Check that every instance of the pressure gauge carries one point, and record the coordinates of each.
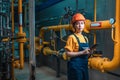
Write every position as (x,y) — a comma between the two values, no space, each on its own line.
(112,20)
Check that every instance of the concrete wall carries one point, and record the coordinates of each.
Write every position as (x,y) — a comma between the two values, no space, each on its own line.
(105,11)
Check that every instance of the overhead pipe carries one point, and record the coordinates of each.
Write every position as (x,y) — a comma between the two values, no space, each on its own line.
(41,44)
(104,64)
(89,26)
(54,28)
(98,25)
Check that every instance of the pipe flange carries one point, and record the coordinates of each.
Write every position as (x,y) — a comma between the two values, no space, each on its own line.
(22,40)
(21,37)
(21,34)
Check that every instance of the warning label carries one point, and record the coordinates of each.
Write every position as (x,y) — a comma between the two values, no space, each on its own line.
(95,24)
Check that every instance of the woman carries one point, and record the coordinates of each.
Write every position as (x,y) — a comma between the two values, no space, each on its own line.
(77,49)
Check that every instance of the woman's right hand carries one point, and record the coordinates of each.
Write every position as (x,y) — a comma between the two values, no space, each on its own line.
(86,51)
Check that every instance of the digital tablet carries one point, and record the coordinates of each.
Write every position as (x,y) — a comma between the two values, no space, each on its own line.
(93,46)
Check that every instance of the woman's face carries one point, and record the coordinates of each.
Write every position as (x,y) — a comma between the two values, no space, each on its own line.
(79,26)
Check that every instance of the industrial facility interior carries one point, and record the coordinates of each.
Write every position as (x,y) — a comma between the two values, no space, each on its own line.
(33,35)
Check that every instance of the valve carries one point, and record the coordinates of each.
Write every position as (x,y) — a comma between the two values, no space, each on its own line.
(112,21)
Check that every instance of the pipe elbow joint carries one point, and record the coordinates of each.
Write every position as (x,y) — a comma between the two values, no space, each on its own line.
(102,64)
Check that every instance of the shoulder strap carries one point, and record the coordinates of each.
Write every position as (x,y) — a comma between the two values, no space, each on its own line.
(77,38)
(86,40)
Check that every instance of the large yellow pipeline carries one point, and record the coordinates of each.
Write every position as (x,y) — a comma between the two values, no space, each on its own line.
(89,26)
(106,65)
(96,25)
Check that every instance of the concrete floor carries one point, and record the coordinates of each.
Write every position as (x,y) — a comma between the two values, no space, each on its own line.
(42,73)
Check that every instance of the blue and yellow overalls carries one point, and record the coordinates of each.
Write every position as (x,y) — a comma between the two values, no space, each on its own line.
(77,67)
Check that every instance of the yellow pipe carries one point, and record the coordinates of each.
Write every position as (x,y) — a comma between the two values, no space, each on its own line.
(97,62)
(95,10)
(12,10)
(20,31)
(100,25)
(5,39)
(19,6)
(95,37)
(95,20)
(21,34)
(106,65)
(97,25)
(57,28)
(39,45)
(48,51)
(20,15)
(21,55)
(89,26)
(116,58)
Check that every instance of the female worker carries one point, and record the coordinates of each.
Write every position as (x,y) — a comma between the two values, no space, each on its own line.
(77,49)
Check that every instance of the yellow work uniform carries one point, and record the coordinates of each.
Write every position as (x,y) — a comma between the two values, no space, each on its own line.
(72,44)
(77,67)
